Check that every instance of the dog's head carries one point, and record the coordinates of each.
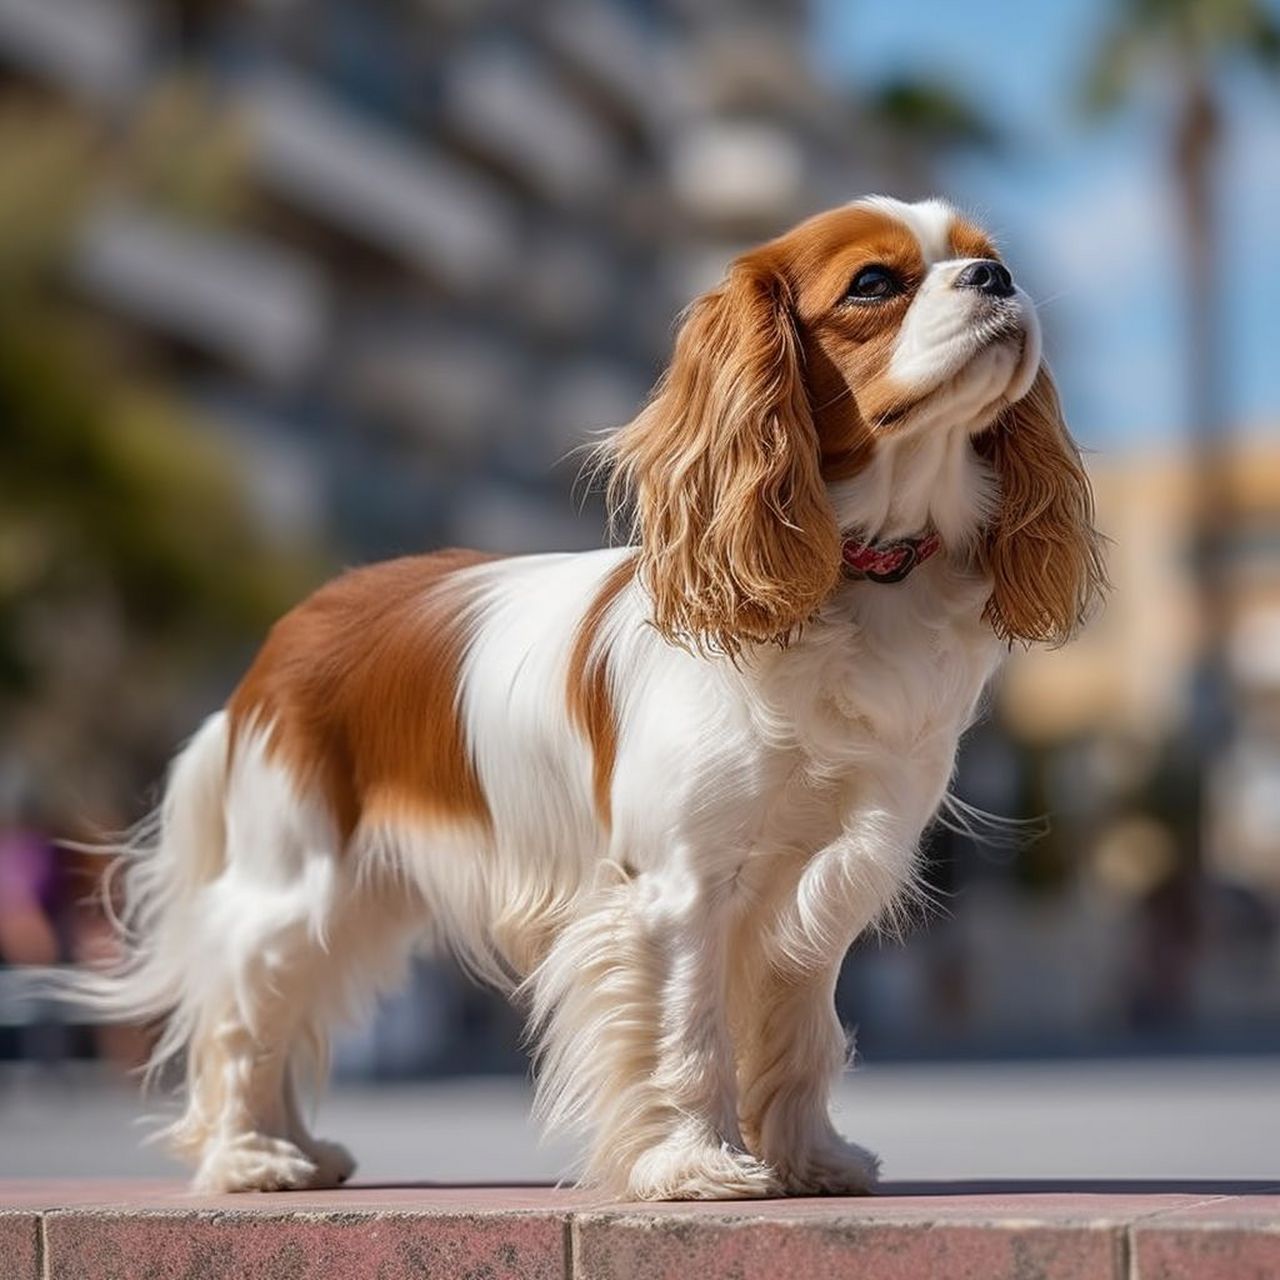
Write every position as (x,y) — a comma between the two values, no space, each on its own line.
(875,320)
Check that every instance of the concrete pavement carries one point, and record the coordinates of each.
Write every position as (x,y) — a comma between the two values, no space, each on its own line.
(1161,1119)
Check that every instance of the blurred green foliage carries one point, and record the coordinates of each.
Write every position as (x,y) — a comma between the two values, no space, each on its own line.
(104,477)
(1184,36)
(133,575)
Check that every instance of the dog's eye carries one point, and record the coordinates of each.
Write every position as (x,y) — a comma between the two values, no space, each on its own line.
(872,284)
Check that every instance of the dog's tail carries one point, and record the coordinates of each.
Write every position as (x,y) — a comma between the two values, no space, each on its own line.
(152,893)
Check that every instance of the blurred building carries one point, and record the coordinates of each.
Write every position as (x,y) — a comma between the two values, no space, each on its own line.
(1130,676)
(1151,909)
(441,243)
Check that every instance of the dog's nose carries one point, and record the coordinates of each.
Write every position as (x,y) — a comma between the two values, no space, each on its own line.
(986,276)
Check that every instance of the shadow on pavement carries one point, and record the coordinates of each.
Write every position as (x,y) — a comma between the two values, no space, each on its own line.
(904,1190)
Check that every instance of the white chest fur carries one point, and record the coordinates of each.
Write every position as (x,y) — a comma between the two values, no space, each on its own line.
(888,670)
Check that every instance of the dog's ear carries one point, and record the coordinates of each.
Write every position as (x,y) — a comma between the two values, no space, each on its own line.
(738,541)
(1042,550)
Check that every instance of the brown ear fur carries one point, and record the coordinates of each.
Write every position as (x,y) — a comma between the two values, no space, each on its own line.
(1042,551)
(738,540)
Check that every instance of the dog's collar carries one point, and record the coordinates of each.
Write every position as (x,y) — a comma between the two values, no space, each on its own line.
(887,561)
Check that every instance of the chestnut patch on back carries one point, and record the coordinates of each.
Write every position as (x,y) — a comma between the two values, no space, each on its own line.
(358,687)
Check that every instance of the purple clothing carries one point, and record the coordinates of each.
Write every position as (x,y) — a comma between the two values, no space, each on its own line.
(28,870)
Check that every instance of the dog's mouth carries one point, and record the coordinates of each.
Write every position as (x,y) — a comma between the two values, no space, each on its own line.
(1002,327)
(994,382)
(1027,339)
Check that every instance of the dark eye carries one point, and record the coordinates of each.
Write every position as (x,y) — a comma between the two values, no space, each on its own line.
(871,284)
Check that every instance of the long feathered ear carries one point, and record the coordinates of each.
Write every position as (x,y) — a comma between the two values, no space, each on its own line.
(1042,550)
(738,542)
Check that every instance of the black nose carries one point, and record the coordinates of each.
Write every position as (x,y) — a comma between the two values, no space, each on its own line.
(986,276)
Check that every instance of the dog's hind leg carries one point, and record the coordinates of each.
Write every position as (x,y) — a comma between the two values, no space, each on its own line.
(257,1001)
(290,936)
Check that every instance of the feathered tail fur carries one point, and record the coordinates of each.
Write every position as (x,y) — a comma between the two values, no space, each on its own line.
(162,864)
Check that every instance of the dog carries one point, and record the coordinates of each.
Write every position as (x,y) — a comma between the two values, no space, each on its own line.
(653,791)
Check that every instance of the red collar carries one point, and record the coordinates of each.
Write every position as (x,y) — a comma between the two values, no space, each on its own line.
(887,561)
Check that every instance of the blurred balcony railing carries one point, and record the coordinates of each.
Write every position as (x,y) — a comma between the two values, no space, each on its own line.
(96,49)
(409,198)
(251,301)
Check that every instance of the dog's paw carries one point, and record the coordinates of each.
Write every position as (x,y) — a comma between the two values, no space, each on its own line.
(830,1166)
(256,1162)
(682,1170)
(334,1163)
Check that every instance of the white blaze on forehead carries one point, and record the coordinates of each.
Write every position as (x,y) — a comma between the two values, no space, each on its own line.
(928,220)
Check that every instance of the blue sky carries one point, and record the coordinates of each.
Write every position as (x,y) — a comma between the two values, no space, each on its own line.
(1082,208)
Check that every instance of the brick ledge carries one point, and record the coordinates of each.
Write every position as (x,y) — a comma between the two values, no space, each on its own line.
(931,1231)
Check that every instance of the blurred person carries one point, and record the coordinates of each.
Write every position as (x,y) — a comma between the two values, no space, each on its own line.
(29,896)
(31,899)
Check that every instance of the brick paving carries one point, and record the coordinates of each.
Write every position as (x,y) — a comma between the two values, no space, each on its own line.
(1022,1230)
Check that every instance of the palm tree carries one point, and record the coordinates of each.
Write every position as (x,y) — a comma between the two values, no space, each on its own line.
(1193,42)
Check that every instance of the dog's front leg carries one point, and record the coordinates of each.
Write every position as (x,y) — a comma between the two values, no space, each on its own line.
(792,1046)
(700,1153)
(634,1043)
(793,1052)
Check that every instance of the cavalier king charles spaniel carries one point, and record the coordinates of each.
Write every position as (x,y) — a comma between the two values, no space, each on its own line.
(656,791)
